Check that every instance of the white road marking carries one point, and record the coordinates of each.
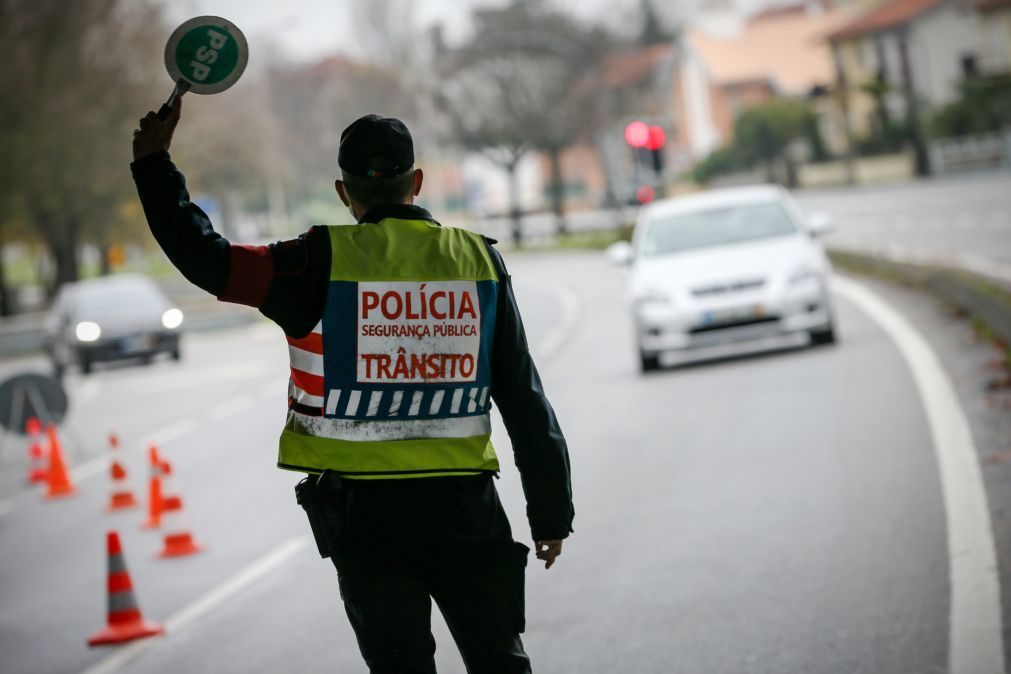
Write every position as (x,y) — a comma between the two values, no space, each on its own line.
(975,643)
(165,435)
(233,406)
(90,468)
(173,431)
(181,380)
(98,464)
(561,330)
(86,391)
(201,607)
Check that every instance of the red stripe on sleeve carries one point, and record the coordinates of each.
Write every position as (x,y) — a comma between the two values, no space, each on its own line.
(310,383)
(313,343)
(252,270)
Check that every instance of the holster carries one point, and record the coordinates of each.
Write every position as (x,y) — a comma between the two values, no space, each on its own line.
(322,497)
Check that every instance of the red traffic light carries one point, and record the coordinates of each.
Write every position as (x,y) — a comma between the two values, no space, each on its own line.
(655,138)
(640,134)
(637,134)
(645,194)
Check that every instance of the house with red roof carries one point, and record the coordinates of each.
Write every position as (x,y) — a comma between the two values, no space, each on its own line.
(695,86)
(905,51)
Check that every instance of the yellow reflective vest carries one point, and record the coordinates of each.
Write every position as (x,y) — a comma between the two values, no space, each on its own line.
(395,380)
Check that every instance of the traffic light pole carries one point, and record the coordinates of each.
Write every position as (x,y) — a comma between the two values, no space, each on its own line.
(657,160)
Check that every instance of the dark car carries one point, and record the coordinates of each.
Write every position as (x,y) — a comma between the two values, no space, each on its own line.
(117,317)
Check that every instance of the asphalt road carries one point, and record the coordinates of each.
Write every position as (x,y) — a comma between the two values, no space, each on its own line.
(780,513)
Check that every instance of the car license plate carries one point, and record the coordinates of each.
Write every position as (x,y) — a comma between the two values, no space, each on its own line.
(135,344)
(734,315)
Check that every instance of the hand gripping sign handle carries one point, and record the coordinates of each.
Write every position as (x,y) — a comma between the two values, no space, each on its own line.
(182,86)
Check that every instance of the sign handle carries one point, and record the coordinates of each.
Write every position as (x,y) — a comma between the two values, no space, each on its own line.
(182,86)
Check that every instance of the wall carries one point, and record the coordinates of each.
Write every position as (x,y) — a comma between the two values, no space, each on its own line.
(995,39)
(704,137)
(867,170)
(938,41)
(858,62)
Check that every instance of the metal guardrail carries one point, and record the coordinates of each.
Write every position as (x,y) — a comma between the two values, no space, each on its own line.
(24,335)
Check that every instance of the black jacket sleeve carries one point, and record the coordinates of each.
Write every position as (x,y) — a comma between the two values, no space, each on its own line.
(542,455)
(286,281)
(179,226)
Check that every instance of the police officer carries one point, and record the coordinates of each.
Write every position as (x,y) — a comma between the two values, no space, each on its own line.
(401,333)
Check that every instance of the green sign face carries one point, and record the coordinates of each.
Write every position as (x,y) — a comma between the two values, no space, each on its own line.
(208,53)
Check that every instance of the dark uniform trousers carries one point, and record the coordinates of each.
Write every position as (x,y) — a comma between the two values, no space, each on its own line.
(407,542)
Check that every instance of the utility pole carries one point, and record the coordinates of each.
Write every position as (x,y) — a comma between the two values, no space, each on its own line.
(921,159)
(844,103)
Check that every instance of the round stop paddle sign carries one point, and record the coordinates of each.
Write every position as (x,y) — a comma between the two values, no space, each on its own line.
(206,54)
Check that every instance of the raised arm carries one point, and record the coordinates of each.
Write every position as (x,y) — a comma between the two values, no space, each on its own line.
(286,280)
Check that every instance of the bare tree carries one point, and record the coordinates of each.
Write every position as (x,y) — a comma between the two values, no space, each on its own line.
(385,30)
(527,80)
(78,76)
(314,103)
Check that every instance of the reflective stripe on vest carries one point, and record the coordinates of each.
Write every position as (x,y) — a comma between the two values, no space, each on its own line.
(395,380)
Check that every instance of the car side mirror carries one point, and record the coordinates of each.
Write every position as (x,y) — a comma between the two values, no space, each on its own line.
(620,253)
(819,223)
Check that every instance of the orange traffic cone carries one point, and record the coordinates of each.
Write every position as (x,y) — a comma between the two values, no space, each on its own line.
(57,475)
(124,622)
(154,492)
(121,497)
(37,469)
(178,539)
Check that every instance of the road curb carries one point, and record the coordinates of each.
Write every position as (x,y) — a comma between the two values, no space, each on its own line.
(985,300)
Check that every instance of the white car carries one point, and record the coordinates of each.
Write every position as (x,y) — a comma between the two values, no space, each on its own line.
(726,272)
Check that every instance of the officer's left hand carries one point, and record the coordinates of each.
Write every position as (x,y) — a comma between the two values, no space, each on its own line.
(155,135)
(548,551)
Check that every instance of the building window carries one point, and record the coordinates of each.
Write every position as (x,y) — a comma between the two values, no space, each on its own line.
(970,65)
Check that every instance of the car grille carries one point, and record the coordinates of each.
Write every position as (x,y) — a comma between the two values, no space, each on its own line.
(725,288)
(735,324)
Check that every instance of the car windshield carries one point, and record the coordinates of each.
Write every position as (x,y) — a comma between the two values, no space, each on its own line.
(716,227)
(116,299)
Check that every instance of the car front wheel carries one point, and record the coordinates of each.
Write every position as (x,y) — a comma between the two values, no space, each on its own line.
(824,336)
(648,362)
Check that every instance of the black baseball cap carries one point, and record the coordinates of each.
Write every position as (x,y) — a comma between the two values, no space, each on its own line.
(376,147)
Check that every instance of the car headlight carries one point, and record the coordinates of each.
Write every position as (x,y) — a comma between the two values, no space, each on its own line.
(88,331)
(651,297)
(172,319)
